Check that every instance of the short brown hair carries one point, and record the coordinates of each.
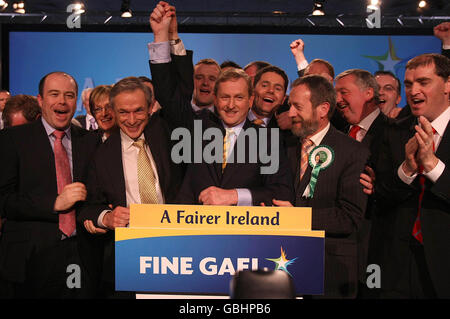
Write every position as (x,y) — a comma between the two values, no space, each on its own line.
(321,91)
(234,75)
(130,83)
(26,104)
(274,69)
(324,62)
(209,62)
(441,63)
(97,94)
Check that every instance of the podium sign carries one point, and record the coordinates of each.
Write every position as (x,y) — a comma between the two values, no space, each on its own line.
(188,249)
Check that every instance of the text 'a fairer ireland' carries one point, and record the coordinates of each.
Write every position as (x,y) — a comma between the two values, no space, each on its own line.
(195,218)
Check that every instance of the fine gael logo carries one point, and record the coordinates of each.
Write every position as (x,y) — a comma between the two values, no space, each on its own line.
(282,262)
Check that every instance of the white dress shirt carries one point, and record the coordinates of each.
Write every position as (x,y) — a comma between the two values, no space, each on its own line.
(129,162)
(365,124)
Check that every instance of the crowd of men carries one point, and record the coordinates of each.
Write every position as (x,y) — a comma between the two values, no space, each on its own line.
(381,194)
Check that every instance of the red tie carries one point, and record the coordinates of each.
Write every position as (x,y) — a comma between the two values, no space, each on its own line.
(63,178)
(417,229)
(353,131)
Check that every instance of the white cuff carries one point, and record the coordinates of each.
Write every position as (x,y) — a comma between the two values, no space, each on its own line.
(436,172)
(302,65)
(159,52)
(100,219)
(244,197)
(406,179)
(177,48)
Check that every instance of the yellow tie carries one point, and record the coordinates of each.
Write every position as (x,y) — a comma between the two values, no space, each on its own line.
(146,176)
(307,143)
(226,146)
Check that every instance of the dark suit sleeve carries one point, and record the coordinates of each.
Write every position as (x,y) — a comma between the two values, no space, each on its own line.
(277,185)
(95,202)
(173,84)
(441,188)
(389,188)
(446,52)
(345,216)
(34,205)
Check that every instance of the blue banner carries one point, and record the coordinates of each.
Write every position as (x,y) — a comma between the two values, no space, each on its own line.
(204,264)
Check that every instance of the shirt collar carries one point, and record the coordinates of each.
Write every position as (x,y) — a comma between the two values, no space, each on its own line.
(89,117)
(127,141)
(237,128)
(49,129)
(197,108)
(368,120)
(440,123)
(252,117)
(318,137)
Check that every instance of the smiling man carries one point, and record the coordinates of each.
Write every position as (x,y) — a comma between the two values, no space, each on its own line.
(220,182)
(43,171)
(390,93)
(337,199)
(270,92)
(413,187)
(132,166)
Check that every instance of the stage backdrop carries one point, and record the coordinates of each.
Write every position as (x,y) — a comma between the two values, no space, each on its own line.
(104,58)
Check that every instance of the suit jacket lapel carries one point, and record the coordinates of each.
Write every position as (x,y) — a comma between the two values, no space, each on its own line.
(444,145)
(230,169)
(77,153)
(327,140)
(151,135)
(113,162)
(46,154)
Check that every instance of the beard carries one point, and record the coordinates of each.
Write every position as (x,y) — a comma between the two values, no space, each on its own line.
(307,128)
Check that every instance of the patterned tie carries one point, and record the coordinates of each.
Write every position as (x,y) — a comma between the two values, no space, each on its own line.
(307,143)
(353,131)
(258,122)
(226,146)
(63,178)
(146,176)
(417,229)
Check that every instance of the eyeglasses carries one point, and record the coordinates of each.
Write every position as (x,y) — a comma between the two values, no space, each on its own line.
(107,108)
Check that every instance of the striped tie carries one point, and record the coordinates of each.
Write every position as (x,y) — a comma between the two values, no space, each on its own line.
(307,143)
(226,146)
(146,176)
(417,229)
(258,122)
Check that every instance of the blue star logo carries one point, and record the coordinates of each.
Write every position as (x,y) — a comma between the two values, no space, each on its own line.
(388,61)
(282,262)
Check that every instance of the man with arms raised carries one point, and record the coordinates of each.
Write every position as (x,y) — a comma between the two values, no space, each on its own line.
(216,183)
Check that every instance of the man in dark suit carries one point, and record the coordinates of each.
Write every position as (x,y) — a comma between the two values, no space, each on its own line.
(357,98)
(270,85)
(43,168)
(219,182)
(412,186)
(133,166)
(327,165)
